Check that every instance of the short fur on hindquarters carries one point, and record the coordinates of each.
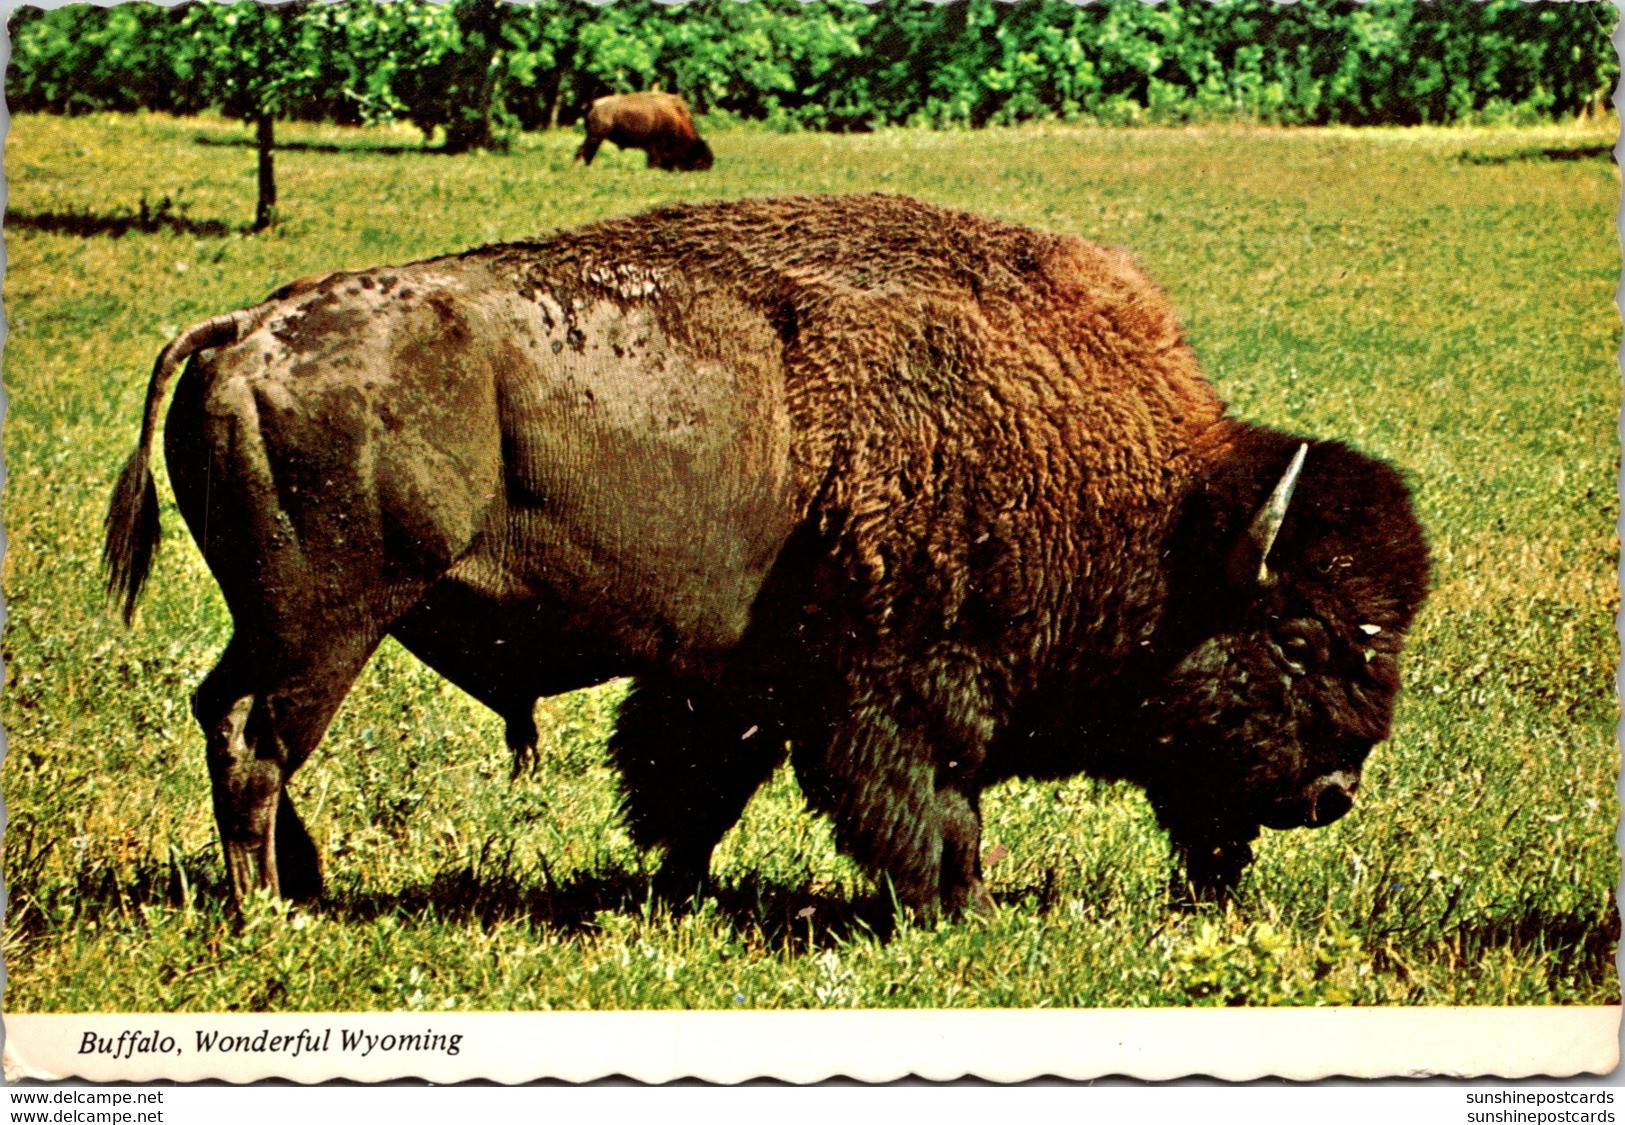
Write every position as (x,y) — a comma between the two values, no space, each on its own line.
(931,499)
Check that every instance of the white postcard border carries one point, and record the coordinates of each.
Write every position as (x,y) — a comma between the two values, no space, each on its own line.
(870,1046)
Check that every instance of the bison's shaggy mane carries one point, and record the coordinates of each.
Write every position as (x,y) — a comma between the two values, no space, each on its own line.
(984,395)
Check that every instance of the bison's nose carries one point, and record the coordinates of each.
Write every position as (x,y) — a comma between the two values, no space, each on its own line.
(1331,796)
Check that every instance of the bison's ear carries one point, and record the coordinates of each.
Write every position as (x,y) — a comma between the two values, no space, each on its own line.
(1249,559)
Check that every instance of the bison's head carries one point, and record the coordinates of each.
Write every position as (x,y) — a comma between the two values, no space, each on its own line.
(1297,569)
(695,157)
(680,154)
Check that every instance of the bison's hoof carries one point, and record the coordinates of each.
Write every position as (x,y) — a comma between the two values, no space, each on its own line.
(971,899)
(680,884)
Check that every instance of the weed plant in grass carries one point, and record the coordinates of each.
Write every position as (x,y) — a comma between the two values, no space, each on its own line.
(1444,299)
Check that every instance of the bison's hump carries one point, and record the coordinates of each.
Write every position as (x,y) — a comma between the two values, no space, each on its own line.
(795,256)
(857,242)
(966,386)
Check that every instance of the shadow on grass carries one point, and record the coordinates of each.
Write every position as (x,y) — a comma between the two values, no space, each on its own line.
(1578,944)
(326,146)
(147,220)
(797,919)
(100,890)
(1579,941)
(1584,152)
(793,918)
(486,890)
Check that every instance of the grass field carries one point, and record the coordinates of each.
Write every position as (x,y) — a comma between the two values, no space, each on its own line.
(1444,299)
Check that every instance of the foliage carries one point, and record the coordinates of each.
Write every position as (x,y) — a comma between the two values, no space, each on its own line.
(252,60)
(450,80)
(1442,298)
(1232,967)
(82,58)
(835,65)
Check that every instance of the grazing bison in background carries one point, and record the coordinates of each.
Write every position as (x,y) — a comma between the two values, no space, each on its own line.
(657,123)
(930,499)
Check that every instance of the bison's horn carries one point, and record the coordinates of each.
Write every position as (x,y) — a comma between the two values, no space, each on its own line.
(1267,524)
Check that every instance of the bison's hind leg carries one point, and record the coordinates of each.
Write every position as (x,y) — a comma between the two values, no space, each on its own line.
(690,757)
(298,864)
(521,735)
(263,709)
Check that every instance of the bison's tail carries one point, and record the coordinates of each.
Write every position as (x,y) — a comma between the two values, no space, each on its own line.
(132,515)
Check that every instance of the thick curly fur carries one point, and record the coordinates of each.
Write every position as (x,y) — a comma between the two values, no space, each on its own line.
(1027,494)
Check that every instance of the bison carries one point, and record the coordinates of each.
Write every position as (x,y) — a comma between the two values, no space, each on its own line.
(924,500)
(657,123)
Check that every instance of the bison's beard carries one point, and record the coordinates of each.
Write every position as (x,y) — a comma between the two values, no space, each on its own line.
(1229,744)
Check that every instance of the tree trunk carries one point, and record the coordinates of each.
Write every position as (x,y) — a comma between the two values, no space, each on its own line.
(473,79)
(550,90)
(265,209)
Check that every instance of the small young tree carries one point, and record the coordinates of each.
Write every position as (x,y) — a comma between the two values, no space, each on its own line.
(259,62)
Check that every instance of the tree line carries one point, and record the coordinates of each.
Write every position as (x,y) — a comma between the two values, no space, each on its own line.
(470,72)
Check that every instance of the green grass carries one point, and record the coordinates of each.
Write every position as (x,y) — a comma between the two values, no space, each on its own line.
(1441,298)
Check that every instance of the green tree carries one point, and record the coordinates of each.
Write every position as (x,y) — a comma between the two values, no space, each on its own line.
(446,76)
(258,62)
(81,58)
(539,62)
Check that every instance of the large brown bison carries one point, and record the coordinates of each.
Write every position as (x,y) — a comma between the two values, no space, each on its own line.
(657,123)
(928,499)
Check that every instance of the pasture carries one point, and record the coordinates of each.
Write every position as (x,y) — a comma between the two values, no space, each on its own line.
(1440,298)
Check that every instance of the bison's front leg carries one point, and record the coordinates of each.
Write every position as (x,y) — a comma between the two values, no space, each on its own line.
(690,757)
(1212,852)
(922,839)
(894,778)
(961,876)
(1212,842)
